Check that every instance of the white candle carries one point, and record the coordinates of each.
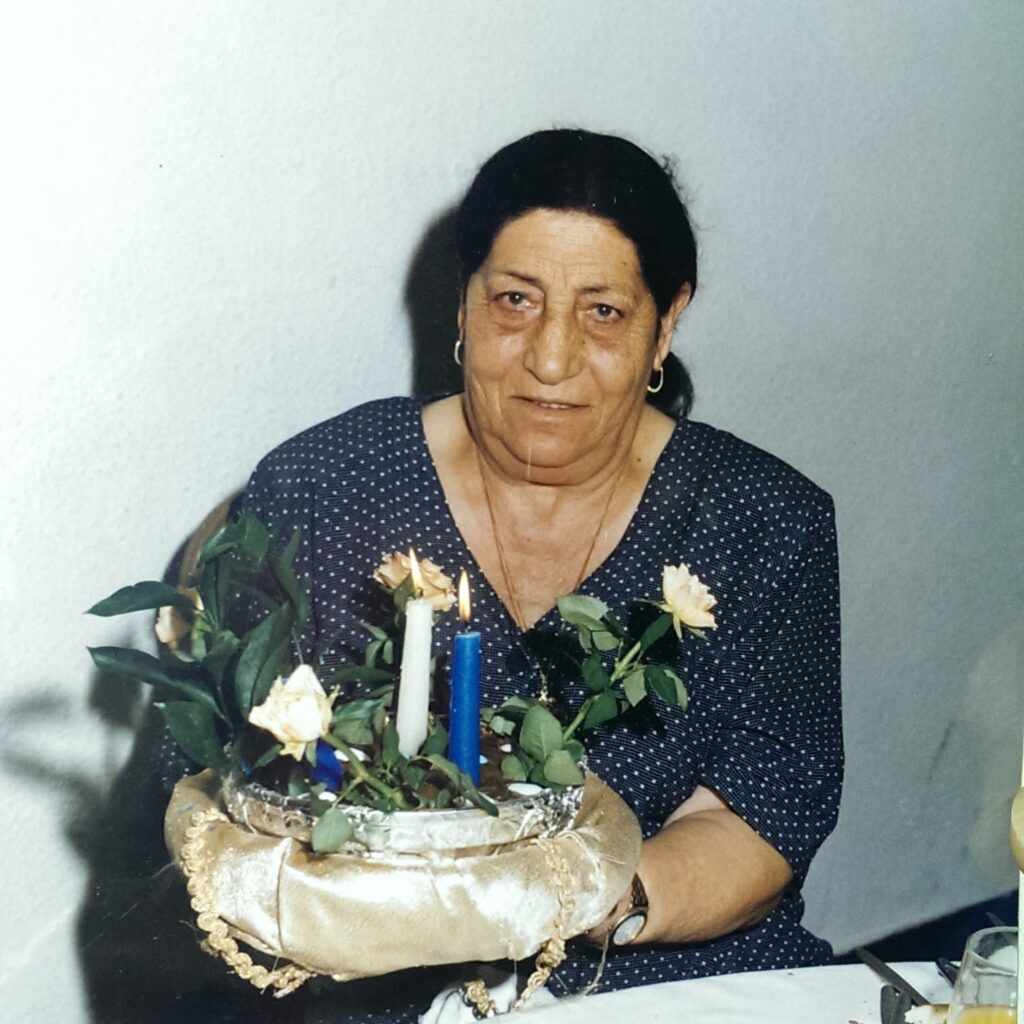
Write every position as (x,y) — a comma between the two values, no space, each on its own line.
(414,684)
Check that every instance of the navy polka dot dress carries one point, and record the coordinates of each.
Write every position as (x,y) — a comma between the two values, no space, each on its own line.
(763,728)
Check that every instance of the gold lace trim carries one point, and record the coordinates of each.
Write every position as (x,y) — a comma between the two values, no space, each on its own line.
(219,941)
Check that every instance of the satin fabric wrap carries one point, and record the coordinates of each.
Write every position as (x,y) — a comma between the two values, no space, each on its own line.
(357,916)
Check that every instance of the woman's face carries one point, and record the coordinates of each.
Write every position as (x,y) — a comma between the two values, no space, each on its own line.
(561,338)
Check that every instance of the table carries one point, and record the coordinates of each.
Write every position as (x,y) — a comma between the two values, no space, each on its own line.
(840,994)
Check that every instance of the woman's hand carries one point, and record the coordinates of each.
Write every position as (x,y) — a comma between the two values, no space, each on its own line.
(707,873)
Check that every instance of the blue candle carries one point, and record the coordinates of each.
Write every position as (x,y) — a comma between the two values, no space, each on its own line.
(464,725)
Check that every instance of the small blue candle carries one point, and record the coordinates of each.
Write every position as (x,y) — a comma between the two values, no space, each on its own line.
(464,726)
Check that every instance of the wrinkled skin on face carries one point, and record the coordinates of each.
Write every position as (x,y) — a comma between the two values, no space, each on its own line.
(562,336)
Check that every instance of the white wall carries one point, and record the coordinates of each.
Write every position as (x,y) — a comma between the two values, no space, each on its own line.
(212,209)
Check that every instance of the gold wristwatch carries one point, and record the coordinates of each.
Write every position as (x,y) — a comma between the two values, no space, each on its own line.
(632,922)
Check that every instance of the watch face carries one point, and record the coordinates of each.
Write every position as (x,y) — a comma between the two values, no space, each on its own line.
(629,928)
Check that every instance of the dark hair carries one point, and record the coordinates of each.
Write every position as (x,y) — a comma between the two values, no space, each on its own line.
(609,177)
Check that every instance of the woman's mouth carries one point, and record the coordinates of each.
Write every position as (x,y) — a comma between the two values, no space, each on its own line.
(549,405)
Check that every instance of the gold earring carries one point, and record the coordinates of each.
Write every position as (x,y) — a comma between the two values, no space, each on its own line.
(661,381)
(457,353)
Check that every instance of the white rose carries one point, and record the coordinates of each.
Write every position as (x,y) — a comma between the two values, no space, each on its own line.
(296,711)
(171,627)
(689,600)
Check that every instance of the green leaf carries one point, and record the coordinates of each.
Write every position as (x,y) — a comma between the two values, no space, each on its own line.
(575,749)
(375,631)
(436,741)
(331,831)
(355,709)
(281,567)
(225,539)
(268,755)
(604,709)
(413,775)
(271,669)
(562,770)
(442,764)
(389,745)
(219,656)
(212,587)
(253,538)
(580,610)
(682,694)
(402,593)
(594,674)
(354,732)
(361,674)
(261,659)
(586,638)
(194,727)
(186,680)
(655,631)
(604,641)
(139,597)
(634,687)
(667,685)
(515,707)
(501,725)
(443,799)
(614,626)
(513,769)
(541,732)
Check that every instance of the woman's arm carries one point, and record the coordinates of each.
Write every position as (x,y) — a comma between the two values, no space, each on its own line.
(706,873)
(771,782)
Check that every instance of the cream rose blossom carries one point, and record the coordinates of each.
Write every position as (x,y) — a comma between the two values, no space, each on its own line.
(437,588)
(689,600)
(171,627)
(296,711)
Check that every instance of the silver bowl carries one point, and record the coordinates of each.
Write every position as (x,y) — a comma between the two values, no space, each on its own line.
(541,813)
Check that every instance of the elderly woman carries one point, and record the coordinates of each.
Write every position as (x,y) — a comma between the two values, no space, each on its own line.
(551,473)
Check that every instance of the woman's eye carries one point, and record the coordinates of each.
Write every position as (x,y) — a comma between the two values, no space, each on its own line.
(605,312)
(517,300)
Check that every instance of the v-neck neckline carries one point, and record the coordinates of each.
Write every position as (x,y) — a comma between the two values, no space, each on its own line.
(550,616)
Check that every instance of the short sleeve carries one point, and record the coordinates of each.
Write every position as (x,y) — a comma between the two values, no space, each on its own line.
(777,759)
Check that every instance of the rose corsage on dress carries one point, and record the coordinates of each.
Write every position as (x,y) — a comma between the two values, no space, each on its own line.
(344,824)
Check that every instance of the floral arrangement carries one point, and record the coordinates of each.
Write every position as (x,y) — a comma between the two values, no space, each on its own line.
(243,700)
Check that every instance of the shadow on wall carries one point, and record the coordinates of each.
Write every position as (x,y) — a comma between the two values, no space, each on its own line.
(432,304)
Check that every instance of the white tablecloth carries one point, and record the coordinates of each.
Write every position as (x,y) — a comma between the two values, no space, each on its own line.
(847,994)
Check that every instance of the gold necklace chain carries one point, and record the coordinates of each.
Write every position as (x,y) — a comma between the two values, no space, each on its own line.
(507,578)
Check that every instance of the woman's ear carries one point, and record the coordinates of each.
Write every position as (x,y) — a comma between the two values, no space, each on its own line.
(667,323)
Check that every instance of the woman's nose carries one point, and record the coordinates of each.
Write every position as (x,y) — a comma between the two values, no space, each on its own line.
(553,354)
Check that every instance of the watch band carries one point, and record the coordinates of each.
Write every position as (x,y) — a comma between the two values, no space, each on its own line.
(634,918)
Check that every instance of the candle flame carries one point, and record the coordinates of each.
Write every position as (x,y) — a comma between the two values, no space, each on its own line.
(417,576)
(464,604)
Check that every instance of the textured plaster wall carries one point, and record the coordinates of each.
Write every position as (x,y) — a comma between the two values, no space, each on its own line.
(211,215)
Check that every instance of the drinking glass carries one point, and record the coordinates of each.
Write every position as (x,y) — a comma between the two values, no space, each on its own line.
(986,987)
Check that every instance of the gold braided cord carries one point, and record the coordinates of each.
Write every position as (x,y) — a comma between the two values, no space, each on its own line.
(219,941)
(475,993)
(477,996)
(553,952)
